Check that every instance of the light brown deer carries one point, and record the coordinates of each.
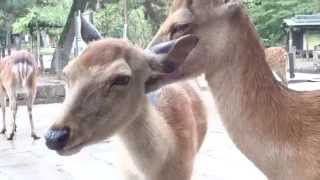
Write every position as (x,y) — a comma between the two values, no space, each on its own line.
(277,58)
(18,73)
(160,133)
(276,128)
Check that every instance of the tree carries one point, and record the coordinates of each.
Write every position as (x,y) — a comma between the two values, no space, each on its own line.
(23,15)
(49,17)
(9,10)
(155,12)
(143,22)
(268,16)
(109,19)
(61,55)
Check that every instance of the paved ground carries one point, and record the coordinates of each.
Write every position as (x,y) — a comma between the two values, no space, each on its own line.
(24,159)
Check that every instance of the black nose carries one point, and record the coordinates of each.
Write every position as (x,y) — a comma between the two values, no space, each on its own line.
(56,139)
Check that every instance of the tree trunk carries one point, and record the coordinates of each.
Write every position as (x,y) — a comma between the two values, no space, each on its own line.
(32,44)
(8,42)
(154,15)
(62,52)
(125,14)
(19,42)
(3,51)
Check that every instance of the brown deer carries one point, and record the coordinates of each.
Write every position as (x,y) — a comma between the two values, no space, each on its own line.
(277,58)
(276,128)
(18,73)
(160,133)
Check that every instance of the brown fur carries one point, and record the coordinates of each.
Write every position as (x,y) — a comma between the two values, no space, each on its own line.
(18,72)
(160,136)
(277,58)
(276,128)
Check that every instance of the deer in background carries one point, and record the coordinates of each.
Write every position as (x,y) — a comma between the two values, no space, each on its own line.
(278,129)
(277,58)
(18,73)
(160,133)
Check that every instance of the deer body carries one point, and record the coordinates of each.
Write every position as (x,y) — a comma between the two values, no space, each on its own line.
(159,135)
(276,128)
(18,73)
(273,126)
(277,58)
(169,133)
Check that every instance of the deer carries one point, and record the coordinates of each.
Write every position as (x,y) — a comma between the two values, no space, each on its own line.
(277,58)
(276,128)
(18,73)
(159,133)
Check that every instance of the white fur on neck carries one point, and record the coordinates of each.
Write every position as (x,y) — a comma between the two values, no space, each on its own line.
(148,141)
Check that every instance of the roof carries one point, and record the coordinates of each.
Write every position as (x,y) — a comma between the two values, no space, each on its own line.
(303,20)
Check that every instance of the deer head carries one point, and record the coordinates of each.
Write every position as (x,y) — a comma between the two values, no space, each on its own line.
(106,84)
(214,22)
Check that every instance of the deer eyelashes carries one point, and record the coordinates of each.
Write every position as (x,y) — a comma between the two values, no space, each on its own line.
(118,82)
(121,80)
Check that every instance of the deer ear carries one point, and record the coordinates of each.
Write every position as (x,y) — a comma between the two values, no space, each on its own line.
(165,59)
(88,31)
(232,7)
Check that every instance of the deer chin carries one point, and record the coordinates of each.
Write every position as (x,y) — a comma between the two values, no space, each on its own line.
(68,151)
(76,145)
(72,149)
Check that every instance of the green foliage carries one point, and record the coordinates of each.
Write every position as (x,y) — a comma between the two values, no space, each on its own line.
(22,24)
(15,7)
(25,15)
(268,16)
(145,16)
(47,17)
(155,11)
(140,29)
(9,10)
(109,22)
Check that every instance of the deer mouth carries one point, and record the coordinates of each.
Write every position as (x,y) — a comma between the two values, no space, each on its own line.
(71,150)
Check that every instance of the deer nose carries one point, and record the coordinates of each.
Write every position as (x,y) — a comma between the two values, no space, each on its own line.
(57,139)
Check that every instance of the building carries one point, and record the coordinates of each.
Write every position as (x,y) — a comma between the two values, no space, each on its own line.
(303,34)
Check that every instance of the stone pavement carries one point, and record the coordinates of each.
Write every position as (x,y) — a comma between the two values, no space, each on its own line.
(25,159)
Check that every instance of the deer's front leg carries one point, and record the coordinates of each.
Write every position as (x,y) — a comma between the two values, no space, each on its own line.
(3,107)
(14,108)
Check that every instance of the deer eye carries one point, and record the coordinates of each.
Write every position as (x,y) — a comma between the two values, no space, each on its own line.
(179,29)
(121,80)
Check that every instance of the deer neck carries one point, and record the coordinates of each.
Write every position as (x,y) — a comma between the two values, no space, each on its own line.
(248,97)
(148,138)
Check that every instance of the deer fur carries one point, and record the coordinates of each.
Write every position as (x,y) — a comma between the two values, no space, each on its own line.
(278,129)
(277,58)
(160,133)
(18,73)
